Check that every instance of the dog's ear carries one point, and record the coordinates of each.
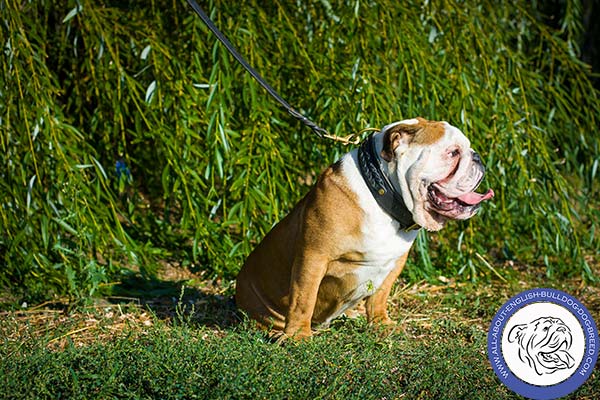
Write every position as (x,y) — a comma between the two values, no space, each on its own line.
(516,333)
(398,135)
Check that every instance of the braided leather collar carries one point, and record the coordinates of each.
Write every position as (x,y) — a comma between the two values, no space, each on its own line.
(381,188)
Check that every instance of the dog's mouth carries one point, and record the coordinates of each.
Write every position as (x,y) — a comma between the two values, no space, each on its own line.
(558,357)
(460,207)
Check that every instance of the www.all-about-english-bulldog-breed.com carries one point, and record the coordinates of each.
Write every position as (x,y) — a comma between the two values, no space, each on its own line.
(349,237)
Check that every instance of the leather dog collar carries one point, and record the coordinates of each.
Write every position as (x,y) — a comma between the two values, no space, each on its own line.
(380,186)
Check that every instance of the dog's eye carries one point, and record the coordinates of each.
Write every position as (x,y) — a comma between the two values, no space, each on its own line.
(455,153)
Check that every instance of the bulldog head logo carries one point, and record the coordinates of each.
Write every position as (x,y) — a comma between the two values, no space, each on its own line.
(544,344)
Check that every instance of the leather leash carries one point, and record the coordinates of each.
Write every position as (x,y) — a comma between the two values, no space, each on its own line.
(320,132)
(383,191)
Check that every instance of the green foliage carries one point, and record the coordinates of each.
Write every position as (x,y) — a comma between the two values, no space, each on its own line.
(128,135)
(196,363)
(197,348)
(348,362)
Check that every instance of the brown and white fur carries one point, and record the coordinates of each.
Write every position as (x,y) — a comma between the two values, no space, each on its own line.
(338,247)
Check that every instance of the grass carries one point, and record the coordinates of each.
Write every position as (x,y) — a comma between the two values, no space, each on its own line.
(190,343)
(181,363)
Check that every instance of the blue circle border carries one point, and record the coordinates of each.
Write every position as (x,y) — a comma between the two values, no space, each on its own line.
(494,341)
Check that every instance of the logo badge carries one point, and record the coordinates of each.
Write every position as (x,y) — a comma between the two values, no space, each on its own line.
(542,344)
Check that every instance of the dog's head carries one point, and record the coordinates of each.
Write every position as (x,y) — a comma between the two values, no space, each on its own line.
(543,344)
(436,170)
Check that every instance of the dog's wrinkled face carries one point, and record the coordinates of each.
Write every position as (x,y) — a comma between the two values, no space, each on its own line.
(544,344)
(437,171)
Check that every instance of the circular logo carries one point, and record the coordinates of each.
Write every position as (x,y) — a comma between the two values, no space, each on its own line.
(542,344)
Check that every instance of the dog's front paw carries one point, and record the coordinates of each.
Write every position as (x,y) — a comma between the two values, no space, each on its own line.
(296,334)
(380,318)
(387,321)
(384,327)
(278,337)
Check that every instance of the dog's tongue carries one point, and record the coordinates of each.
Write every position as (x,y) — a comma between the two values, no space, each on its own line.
(473,198)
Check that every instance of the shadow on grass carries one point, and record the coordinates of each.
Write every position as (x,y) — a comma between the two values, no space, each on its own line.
(179,301)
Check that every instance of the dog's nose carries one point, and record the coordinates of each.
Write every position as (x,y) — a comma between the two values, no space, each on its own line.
(477,162)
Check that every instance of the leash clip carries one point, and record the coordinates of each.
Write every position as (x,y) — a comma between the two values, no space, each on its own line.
(322,133)
(353,138)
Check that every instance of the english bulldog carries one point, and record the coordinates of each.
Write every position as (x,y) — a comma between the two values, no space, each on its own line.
(544,344)
(348,238)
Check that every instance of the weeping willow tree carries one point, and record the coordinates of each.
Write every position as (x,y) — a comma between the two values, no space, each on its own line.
(129,137)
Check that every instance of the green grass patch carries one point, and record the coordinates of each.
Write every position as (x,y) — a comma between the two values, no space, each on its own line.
(346,362)
(178,348)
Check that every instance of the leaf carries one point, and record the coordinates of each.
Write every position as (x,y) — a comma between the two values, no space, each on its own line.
(433,33)
(99,167)
(74,11)
(65,226)
(150,92)
(44,231)
(145,52)
(29,190)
